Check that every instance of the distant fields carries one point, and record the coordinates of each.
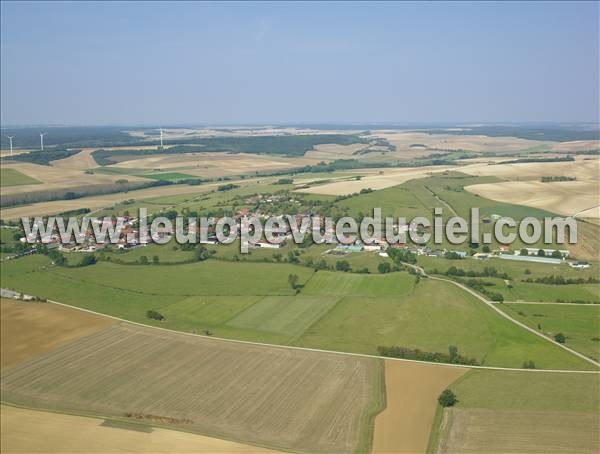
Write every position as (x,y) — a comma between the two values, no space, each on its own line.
(503,411)
(295,400)
(579,323)
(12,177)
(332,311)
(168,176)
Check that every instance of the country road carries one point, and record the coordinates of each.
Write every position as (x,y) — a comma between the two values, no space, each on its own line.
(493,305)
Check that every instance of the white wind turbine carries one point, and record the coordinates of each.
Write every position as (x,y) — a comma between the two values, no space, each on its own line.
(10,138)
(161,138)
(42,134)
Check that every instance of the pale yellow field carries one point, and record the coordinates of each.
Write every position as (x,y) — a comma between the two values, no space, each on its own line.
(412,390)
(80,161)
(580,197)
(375,179)
(55,177)
(581,168)
(27,431)
(215,164)
(403,140)
(568,198)
(577,145)
(99,201)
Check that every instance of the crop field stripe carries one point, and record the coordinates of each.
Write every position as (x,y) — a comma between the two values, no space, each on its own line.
(362,355)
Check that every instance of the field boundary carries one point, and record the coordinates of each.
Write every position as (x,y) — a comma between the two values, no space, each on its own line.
(360,355)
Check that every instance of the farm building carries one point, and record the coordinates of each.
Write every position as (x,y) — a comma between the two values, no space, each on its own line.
(579,265)
(548,252)
(266,245)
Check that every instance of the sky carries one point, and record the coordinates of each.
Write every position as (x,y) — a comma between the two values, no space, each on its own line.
(155,63)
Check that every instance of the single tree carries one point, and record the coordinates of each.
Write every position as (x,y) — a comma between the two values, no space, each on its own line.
(560,338)
(447,398)
(293,280)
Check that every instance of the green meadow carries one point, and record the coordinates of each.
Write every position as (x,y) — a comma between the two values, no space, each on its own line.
(579,323)
(328,310)
(12,177)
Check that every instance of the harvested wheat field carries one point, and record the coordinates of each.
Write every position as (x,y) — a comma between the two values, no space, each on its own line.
(375,179)
(99,201)
(30,329)
(568,198)
(577,145)
(443,142)
(58,177)
(275,397)
(26,431)
(581,168)
(500,431)
(412,390)
(80,161)
(212,164)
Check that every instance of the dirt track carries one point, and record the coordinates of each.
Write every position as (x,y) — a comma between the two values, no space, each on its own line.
(411,393)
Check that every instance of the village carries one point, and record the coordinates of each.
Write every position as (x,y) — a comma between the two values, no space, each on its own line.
(281,233)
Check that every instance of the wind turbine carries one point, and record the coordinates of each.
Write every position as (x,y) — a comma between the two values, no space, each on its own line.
(10,138)
(42,134)
(161,137)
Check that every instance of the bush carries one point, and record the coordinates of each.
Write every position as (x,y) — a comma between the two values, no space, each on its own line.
(87,260)
(384,267)
(447,398)
(342,265)
(528,365)
(154,315)
(560,338)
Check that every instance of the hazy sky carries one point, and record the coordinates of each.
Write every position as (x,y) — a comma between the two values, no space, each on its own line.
(200,63)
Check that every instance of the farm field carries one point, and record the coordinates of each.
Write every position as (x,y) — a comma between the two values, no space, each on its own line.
(26,431)
(517,291)
(12,177)
(374,179)
(274,397)
(55,178)
(434,316)
(212,165)
(411,397)
(569,198)
(356,313)
(99,201)
(31,329)
(503,411)
(580,323)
